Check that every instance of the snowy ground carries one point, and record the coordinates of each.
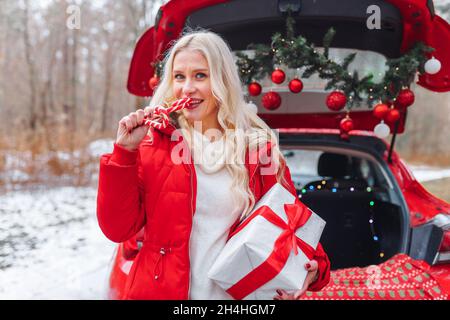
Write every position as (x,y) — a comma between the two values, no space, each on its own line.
(52,248)
(427,173)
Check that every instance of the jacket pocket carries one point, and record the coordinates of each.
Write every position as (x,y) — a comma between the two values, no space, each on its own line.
(147,279)
(159,266)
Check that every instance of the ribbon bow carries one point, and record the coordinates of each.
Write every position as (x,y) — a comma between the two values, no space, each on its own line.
(297,214)
(160,117)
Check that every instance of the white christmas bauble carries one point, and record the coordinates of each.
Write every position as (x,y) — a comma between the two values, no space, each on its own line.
(432,66)
(252,107)
(382,130)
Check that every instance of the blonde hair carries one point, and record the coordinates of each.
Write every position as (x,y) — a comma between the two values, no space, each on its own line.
(234,112)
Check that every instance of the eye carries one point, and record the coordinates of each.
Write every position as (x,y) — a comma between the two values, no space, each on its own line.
(200,75)
(178,76)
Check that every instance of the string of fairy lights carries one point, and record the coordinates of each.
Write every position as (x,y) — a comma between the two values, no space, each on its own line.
(322,186)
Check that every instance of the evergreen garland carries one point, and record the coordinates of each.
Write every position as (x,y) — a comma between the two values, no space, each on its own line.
(296,52)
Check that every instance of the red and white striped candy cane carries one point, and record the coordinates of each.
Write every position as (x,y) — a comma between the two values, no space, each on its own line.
(160,118)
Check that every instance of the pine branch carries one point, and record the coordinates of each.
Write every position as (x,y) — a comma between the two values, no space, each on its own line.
(348,59)
(327,40)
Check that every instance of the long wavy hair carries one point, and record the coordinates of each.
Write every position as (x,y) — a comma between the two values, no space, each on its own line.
(248,131)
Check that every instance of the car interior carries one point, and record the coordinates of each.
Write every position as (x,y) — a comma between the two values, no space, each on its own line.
(351,193)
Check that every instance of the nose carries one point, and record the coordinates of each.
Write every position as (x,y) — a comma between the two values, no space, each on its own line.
(188,88)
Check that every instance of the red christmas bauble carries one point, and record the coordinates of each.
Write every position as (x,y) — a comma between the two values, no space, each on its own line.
(346,124)
(153,82)
(271,100)
(254,89)
(393,115)
(278,76)
(296,85)
(336,100)
(381,110)
(405,98)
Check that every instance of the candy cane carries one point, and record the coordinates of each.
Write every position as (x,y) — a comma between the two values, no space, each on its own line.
(160,117)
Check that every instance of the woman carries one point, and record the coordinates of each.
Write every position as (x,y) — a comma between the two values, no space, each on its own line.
(188,209)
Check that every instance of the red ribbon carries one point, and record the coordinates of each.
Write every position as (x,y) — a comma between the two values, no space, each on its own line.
(297,214)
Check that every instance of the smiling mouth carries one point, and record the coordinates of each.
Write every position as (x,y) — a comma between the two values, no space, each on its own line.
(194,103)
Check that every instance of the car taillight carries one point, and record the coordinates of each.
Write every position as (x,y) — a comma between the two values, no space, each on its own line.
(445,245)
(443,255)
(443,221)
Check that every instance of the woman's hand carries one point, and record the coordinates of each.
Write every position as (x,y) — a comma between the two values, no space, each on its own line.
(132,129)
(313,272)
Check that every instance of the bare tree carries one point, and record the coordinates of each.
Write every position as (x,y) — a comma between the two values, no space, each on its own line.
(31,67)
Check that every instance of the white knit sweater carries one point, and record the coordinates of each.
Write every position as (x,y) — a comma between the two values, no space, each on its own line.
(214,215)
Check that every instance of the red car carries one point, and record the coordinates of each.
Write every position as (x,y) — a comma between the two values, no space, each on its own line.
(382,225)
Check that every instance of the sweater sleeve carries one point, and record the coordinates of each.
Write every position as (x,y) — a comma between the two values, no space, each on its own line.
(120,208)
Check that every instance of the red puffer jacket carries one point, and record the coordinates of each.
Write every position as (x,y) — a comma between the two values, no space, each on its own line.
(147,189)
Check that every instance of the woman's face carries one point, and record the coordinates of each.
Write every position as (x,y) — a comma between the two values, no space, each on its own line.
(191,78)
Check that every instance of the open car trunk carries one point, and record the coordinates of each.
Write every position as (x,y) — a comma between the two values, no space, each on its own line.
(351,188)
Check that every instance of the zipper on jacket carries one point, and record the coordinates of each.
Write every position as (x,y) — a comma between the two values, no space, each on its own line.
(191,176)
(192,213)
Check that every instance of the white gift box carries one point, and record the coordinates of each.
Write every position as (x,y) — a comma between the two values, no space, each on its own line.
(253,244)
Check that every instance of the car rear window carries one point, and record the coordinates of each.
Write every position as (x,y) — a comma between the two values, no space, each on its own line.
(310,167)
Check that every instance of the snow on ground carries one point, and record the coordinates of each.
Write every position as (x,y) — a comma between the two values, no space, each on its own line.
(99,147)
(51,246)
(426,173)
